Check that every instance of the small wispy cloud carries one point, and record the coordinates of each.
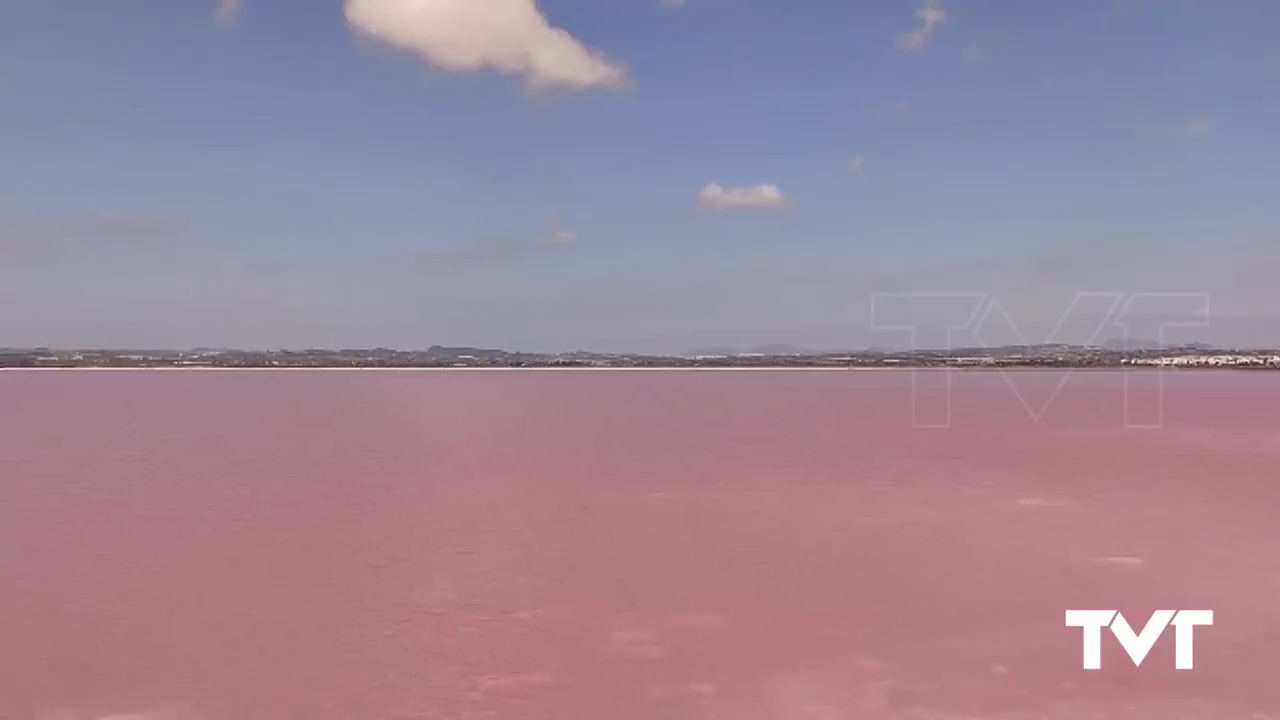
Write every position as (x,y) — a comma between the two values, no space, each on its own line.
(227,10)
(672,4)
(856,164)
(564,237)
(755,197)
(499,248)
(88,230)
(558,234)
(1187,130)
(891,110)
(931,15)
(512,37)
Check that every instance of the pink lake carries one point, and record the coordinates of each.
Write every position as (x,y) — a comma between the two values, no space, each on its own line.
(625,545)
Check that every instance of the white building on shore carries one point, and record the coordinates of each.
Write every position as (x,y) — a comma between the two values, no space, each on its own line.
(1214,360)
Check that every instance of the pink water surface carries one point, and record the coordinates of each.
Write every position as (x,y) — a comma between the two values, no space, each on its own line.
(624,545)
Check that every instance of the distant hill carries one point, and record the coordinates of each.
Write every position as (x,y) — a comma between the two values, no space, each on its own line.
(1121,343)
(716,350)
(771,349)
(782,349)
(442,352)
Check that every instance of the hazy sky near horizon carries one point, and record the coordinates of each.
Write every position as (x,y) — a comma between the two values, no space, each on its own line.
(646,175)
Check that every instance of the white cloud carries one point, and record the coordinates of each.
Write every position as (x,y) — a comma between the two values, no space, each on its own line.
(512,37)
(756,197)
(227,10)
(673,4)
(564,236)
(856,164)
(931,15)
(558,234)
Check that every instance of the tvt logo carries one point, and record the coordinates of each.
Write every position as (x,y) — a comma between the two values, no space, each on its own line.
(944,322)
(1139,644)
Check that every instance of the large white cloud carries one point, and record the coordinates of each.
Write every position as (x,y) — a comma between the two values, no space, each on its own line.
(931,15)
(756,197)
(508,36)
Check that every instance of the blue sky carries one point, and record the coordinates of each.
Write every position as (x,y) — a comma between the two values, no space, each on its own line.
(491,172)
